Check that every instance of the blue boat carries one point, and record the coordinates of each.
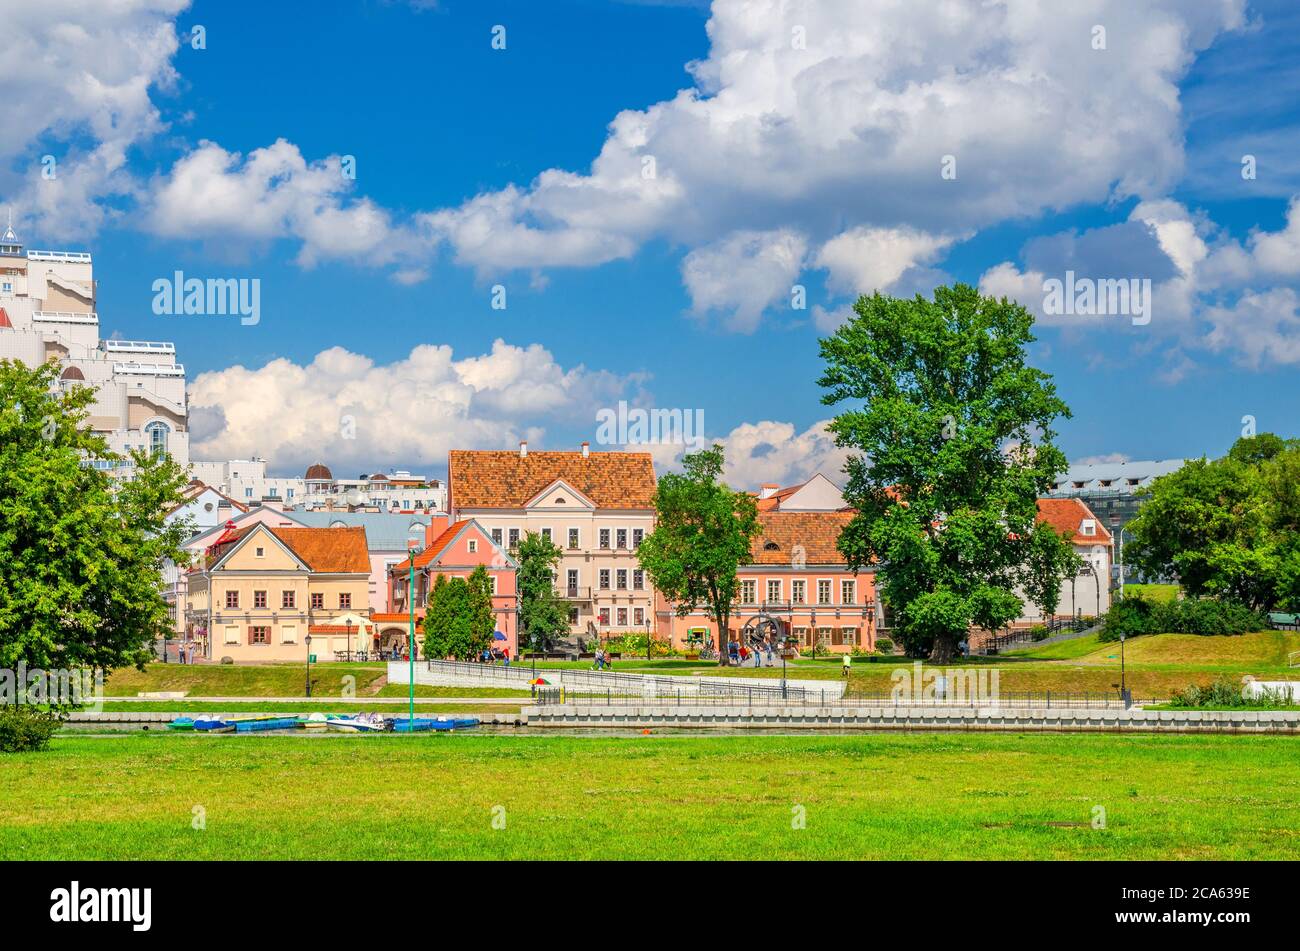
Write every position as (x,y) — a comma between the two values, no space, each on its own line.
(214,725)
(258,726)
(427,724)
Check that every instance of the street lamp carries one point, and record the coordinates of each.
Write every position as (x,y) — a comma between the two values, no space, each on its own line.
(347,652)
(1123,686)
(307,641)
(410,642)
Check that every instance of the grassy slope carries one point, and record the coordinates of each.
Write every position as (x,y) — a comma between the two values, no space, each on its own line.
(875,796)
(277,680)
(326,706)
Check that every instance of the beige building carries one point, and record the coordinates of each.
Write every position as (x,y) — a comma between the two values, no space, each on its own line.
(47,312)
(258,592)
(595,506)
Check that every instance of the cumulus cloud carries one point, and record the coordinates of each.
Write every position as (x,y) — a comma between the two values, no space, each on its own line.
(865,260)
(767,451)
(743,274)
(345,406)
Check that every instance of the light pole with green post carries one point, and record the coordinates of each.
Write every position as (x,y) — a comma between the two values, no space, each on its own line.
(410,642)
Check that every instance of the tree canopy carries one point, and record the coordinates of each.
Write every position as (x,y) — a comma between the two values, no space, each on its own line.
(458,619)
(956,441)
(543,615)
(701,538)
(81,553)
(1226,528)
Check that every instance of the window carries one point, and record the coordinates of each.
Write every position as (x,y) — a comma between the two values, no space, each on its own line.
(621,538)
(847,636)
(824,592)
(573,615)
(604,617)
(823,635)
(546,533)
(572,576)
(288,599)
(638,616)
(798,590)
(345,599)
(800,636)
(604,579)
(289,634)
(261,634)
(637,535)
(774,589)
(248,493)
(604,538)
(473,545)
(493,579)
(514,538)
(157,433)
(496,536)
(622,617)
(259,599)
(260,552)
(747,591)
(288,493)
(573,539)
(1088,527)
(638,580)
(622,579)
(317,601)
(232,599)
(848,592)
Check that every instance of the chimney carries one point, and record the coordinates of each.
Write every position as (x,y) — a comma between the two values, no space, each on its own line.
(523,449)
(767,489)
(586,450)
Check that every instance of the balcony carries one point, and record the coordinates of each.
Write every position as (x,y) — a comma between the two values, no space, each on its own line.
(573,592)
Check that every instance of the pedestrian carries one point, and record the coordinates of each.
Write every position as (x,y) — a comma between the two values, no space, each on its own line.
(733,651)
(505,652)
(848,662)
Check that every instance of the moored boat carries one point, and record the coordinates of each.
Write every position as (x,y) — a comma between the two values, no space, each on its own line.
(259,726)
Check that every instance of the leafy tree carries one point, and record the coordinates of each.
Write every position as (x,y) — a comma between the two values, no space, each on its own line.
(482,618)
(1226,528)
(957,442)
(81,554)
(701,538)
(543,615)
(458,618)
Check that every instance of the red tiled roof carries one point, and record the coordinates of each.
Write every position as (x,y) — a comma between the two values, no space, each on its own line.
(1065,516)
(439,544)
(816,532)
(492,479)
(331,550)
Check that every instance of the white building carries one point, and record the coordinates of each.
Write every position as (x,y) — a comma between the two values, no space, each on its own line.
(246,481)
(47,313)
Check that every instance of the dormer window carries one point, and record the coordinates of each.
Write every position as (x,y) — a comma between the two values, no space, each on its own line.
(771,546)
(1088,527)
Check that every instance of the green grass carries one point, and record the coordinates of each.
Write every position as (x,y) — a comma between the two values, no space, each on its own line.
(907,796)
(326,706)
(1152,592)
(1063,650)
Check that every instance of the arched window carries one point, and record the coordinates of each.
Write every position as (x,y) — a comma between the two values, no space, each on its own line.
(157,433)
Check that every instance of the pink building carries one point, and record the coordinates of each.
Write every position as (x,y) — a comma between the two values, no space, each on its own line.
(797,578)
(454,551)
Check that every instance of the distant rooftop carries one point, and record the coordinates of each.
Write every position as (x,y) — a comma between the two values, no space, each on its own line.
(1115,477)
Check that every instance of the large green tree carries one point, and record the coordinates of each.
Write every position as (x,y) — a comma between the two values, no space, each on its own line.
(543,615)
(458,618)
(956,441)
(701,538)
(1226,528)
(81,553)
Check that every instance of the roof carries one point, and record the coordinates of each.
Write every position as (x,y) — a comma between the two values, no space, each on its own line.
(319,472)
(439,544)
(505,479)
(385,531)
(329,550)
(816,532)
(1065,515)
(773,501)
(1116,477)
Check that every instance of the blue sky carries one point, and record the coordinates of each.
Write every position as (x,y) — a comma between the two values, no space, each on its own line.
(816,165)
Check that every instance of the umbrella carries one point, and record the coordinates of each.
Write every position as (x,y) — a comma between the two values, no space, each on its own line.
(540,680)
(498,636)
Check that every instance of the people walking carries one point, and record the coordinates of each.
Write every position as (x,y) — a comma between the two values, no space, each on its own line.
(848,662)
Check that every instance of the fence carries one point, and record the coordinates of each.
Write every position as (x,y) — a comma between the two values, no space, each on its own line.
(549,695)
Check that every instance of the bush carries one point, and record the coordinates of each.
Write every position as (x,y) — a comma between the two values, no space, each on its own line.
(1206,616)
(1224,693)
(884,645)
(26,729)
(1038,632)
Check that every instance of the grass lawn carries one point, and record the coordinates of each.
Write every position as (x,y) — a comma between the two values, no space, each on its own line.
(325,706)
(278,680)
(911,796)
(1152,592)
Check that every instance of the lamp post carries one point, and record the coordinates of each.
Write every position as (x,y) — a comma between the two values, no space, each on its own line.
(410,644)
(348,649)
(1123,686)
(307,641)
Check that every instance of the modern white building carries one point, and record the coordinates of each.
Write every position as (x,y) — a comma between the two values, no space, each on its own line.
(48,313)
(246,481)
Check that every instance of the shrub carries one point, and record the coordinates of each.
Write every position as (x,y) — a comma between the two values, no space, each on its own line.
(26,729)
(1224,693)
(1038,632)
(884,645)
(1135,615)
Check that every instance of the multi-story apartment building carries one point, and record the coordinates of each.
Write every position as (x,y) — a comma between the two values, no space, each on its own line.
(797,578)
(1109,489)
(595,506)
(259,592)
(398,491)
(48,312)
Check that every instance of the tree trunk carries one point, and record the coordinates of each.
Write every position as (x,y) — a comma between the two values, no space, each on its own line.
(945,646)
(722,620)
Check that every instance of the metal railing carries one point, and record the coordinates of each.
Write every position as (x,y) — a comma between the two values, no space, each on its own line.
(553,694)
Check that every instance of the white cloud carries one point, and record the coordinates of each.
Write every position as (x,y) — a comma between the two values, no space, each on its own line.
(744,274)
(865,260)
(1262,328)
(345,406)
(768,451)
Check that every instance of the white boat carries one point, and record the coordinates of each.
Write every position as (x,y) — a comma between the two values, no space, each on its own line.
(361,723)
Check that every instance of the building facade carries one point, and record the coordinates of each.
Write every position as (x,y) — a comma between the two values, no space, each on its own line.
(257,593)
(596,507)
(48,313)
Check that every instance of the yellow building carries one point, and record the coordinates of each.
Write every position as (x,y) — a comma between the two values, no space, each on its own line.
(258,592)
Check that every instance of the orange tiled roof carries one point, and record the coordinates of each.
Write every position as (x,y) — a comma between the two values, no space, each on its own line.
(1064,515)
(333,550)
(817,532)
(492,479)
(438,545)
